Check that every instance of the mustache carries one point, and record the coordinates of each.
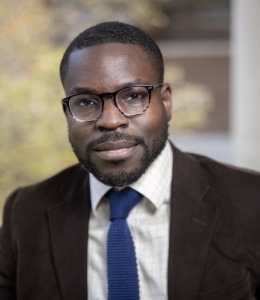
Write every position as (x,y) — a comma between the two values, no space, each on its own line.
(115,137)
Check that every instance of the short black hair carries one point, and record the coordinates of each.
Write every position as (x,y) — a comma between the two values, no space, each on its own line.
(115,32)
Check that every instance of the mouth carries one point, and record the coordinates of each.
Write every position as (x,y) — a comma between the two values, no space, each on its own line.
(115,150)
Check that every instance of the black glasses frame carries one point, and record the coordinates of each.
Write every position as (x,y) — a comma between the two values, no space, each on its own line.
(149,88)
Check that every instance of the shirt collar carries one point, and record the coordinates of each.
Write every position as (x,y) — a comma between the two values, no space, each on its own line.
(154,184)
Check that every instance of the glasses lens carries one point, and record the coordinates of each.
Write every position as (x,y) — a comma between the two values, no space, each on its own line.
(85,107)
(134,100)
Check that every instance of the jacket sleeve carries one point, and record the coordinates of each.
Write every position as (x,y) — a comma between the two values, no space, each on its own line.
(7,253)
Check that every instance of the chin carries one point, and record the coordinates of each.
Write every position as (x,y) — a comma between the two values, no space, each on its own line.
(120,178)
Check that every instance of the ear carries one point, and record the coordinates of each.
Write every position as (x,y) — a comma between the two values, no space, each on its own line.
(166,93)
(65,109)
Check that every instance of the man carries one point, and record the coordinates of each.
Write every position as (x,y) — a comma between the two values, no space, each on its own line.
(195,227)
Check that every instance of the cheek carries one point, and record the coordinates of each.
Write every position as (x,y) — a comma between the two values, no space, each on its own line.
(152,123)
(78,133)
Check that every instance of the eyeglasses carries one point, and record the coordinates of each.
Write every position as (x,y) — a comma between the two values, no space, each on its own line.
(131,101)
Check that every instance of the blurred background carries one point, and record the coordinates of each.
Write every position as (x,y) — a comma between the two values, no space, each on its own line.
(211,50)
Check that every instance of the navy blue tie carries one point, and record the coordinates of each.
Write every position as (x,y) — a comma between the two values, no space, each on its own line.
(121,260)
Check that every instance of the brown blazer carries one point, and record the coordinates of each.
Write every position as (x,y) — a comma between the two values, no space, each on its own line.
(214,235)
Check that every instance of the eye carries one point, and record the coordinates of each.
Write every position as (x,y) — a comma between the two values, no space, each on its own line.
(87,102)
(135,96)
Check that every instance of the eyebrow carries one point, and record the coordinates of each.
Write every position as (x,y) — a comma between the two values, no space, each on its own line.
(87,90)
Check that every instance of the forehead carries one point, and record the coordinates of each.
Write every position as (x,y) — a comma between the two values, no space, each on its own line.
(107,67)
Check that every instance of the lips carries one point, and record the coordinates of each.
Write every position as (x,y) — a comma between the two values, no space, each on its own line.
(108,146)
(115,150)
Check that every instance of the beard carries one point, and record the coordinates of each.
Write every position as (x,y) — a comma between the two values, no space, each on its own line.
(123,177)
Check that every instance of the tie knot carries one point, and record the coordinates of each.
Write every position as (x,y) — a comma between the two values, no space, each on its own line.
(121,202)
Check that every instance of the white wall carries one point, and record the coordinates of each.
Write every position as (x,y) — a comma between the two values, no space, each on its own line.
(245,83)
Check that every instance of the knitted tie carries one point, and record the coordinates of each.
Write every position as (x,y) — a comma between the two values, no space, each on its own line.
(121,261)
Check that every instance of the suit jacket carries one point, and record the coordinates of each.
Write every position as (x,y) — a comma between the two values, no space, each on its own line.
(214,250)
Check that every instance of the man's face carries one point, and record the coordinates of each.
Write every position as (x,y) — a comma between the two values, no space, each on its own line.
(117,149)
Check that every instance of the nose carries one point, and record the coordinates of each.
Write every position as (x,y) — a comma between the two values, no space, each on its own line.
(111,117)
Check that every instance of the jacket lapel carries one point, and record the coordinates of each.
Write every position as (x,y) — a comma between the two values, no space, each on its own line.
(191,226)
(68,223)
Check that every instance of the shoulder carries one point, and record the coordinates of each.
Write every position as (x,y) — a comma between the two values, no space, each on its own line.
(224,175)
(235,192)
(237,185)
(219,176)
(47,192)
(230,188)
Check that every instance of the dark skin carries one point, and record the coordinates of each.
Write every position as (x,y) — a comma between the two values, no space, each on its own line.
(108,68)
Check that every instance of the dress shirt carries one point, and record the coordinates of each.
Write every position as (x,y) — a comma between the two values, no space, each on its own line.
(149,225)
